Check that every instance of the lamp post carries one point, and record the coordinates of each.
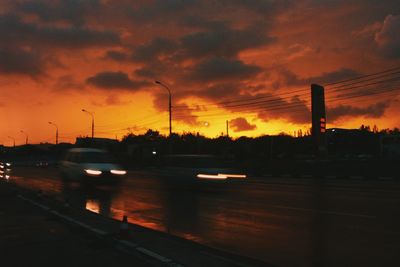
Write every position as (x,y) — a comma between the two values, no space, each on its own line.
(26,140)
(55,125)
(91,114)
(12,139)
(169,105)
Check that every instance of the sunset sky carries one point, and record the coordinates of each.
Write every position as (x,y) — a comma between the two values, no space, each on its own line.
(250,62)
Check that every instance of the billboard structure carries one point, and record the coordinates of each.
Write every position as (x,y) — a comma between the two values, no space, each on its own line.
(318,129)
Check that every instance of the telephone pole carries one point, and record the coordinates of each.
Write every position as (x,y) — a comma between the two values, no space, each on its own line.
(169,104)
(55,125)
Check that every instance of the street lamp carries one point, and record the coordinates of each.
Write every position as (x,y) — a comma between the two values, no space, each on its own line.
(91,114)
(55,125)
(12,139)
(169,105)
(26,140)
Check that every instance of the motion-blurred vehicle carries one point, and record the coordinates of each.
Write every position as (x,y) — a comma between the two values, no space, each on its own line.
(90,165)
(204,168)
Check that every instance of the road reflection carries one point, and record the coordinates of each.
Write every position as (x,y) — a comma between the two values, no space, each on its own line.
(92,198)
(154,204)
(181,210)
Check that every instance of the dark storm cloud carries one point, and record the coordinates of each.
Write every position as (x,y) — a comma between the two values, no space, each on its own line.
(289,78)
(14,31)
(116,55)
(294,110)
(373,111)
(220,41)
(115,80)
(147,72)
(77,37)
(73,11)
(334,76)
(151,51)
(223,41)
(388,38)
(241,124)
(222,91)
(218,69)
(202,23)
(159,9)
(228,91)
(261,6)
(19,61)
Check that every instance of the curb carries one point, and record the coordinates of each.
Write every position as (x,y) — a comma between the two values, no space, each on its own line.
(99,232)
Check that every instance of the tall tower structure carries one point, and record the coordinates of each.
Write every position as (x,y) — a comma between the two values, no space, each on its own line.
(318,129)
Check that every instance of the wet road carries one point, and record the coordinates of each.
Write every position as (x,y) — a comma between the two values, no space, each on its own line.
(293,224)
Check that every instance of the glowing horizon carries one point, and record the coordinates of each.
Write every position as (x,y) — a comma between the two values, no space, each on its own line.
(105,56)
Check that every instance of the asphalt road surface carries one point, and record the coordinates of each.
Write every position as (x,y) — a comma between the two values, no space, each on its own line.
(284,222)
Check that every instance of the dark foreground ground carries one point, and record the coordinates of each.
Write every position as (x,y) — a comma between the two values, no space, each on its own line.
(38,230)
(286,220)
(31,237)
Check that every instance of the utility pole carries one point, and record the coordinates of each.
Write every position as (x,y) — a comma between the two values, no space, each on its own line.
(91,114)
(26,140)
(55,125)
(227,128)
(169,104)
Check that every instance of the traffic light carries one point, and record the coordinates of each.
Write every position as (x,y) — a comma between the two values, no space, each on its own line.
(322,126)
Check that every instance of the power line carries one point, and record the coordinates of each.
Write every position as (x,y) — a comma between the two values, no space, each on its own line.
(247,100)
(279,101)
(378,75)
(289,106)
(363,76)
(278,98)
(366,80)
(369,84)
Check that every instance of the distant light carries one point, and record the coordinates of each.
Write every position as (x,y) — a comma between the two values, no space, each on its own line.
(333,130)
(93,172)
(241,176)
(1,171)
(7,177)
(154,152)
(8,164)
(118,172)
(212,176)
